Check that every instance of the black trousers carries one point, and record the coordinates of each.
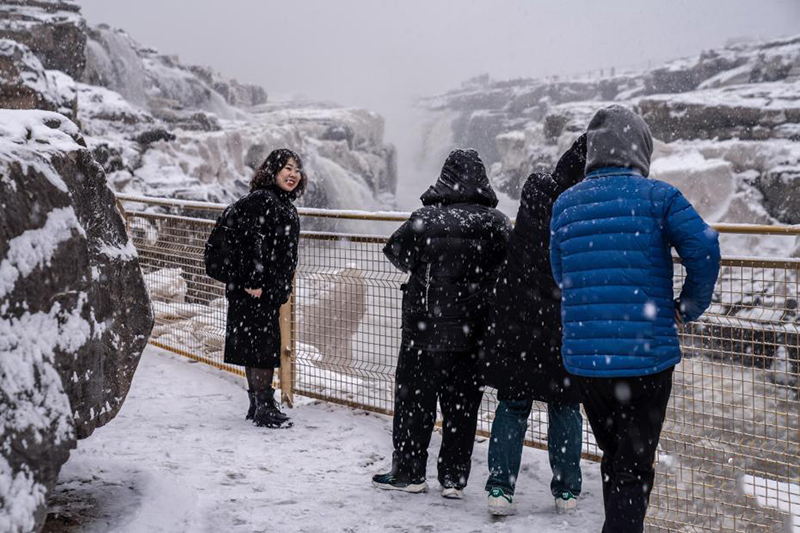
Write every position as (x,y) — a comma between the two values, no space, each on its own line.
(626,415)
(420,379)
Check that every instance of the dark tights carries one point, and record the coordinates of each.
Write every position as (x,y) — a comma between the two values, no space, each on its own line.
(259,379)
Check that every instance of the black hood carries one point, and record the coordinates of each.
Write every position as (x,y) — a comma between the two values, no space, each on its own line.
(571,168)
(463,180)
(618,137)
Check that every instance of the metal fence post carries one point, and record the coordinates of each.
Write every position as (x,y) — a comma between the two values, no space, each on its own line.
(287,352)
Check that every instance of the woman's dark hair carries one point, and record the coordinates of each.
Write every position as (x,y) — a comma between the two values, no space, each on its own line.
(265,175)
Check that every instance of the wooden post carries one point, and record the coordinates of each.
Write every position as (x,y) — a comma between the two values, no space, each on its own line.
(124,216)
(287,352)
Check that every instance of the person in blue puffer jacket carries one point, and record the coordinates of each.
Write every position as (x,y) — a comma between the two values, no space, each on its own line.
(610,250)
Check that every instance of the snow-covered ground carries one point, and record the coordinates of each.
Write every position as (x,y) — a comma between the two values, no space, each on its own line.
(181,457)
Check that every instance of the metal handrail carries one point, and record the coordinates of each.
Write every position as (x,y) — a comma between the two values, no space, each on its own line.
(402,216)
(378,216)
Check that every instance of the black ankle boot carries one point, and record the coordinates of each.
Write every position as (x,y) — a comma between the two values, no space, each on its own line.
(252,410)
(267,413)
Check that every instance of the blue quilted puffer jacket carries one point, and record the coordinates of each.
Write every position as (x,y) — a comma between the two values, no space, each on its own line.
(610,254)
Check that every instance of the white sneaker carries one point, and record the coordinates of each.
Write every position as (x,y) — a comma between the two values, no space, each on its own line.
(566,503)
(500,503)
(452,493)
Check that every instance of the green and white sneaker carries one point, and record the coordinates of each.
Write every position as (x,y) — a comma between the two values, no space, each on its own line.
(500,503)
(566,503)
(390,481)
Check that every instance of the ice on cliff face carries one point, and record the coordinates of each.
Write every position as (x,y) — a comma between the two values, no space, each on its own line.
(222,129)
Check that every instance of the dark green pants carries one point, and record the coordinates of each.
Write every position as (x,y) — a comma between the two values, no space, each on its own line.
(563,445)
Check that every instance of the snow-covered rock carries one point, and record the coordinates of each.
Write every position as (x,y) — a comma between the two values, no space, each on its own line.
(105,113)
(222,131)
(354,170)
(781,189)
(731,118)
(710,183)
(756,111)
(25,84)
(132,102)
(53,29)
(74,312)
(152,80)
(235,93)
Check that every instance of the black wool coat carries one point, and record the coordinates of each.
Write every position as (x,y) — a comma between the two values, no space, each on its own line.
(522,344)
(452,248)
(266,238)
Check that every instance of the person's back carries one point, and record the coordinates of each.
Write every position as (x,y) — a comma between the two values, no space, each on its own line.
(452,248)
(610,254)
(529,243)
(522,347)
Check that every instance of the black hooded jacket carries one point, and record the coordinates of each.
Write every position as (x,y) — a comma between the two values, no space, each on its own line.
(267,234)
(268,231)
(522,345)
(452,248)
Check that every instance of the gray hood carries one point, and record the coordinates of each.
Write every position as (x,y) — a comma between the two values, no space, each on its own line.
(618,137)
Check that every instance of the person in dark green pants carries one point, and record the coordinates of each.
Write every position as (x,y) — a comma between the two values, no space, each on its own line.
(522,347)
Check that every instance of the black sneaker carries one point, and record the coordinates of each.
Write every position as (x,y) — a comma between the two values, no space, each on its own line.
(390,481)
(452,492)
(451,489)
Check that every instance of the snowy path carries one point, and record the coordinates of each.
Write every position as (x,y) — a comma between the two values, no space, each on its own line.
(181,457)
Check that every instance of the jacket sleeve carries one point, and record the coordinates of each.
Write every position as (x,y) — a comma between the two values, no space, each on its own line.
(405,245)
(698,247)
(285,273)
(555,248)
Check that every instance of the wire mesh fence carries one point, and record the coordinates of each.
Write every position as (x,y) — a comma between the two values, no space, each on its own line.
(730,450)
(729,455)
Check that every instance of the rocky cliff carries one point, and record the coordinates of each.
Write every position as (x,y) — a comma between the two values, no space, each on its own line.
(74,311)
(727,124)
(163,128)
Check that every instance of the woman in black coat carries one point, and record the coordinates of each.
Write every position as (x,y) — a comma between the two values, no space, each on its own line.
(266,234)
(522,346)
(452,248)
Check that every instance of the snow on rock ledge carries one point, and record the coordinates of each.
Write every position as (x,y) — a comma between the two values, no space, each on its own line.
(25,84)
(53,29)
(730,119)
(74,312)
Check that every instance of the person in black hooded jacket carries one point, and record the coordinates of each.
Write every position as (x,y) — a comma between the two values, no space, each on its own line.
(267,230)
(522,346)
(452,248)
